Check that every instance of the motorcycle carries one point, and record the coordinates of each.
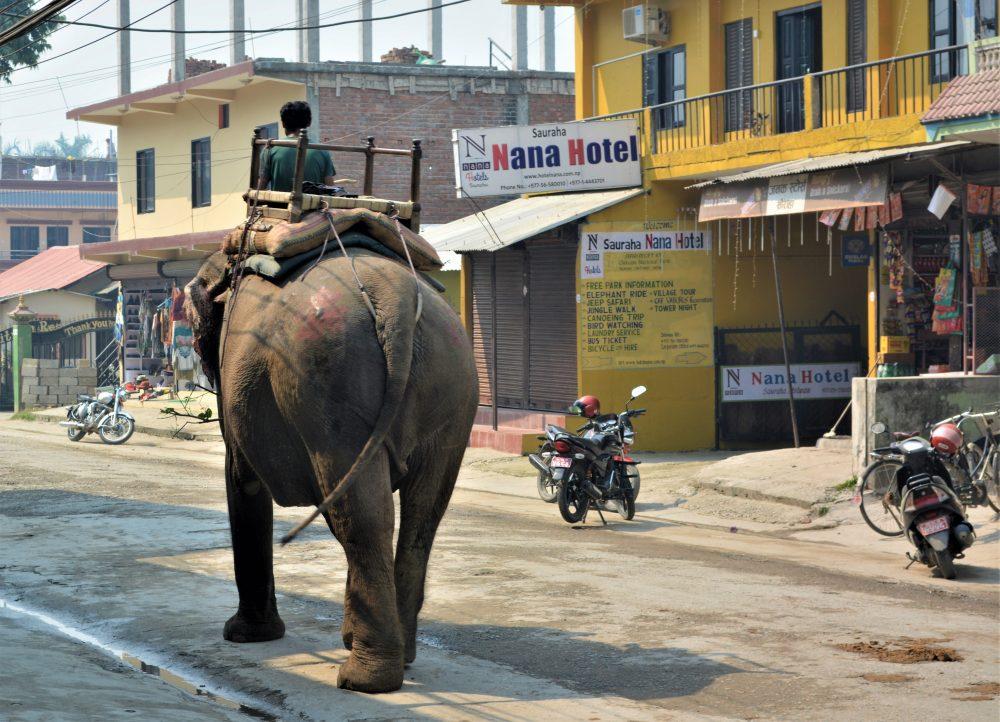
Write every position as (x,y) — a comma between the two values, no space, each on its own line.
(931,513)
(101,414)
(592,470)
(621,424)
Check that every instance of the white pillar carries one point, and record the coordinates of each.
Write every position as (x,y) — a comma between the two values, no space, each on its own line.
(310,12)
(435,29)
(365,31)
(124,50)
(237,21)
(177,40)
(300,36)
(519,30)
(548,48)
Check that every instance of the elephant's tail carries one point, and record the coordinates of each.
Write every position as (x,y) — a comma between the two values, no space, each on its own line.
(398,349)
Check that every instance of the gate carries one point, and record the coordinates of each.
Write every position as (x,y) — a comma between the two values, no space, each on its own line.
(6,370)
(768,422)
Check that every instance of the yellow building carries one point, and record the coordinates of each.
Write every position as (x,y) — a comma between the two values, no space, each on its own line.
(760,120)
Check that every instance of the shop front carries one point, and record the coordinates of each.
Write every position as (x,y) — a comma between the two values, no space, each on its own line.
(155,338)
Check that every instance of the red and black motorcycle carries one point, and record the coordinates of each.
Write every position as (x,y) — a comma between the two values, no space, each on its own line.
(592,470)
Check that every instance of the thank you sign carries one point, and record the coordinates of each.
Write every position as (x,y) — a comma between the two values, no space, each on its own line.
(518,159)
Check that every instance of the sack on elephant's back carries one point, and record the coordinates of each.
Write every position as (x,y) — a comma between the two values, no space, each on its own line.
(283,239)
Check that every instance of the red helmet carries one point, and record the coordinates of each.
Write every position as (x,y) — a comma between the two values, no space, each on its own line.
(946,438)
(587,406)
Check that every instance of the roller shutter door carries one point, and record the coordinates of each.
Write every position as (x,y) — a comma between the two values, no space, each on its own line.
(482,322)
(512,344)
(552,330)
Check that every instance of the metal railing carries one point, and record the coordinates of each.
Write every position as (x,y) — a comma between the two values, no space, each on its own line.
(107,363)
(889,88)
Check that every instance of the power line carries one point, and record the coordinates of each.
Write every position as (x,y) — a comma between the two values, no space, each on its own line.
(97,40)
(230,31)
(26,23)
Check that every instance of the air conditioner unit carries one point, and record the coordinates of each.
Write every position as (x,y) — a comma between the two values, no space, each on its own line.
(645,24)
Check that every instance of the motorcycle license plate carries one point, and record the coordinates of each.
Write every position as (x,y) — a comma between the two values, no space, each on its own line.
(563,461)
(933,526)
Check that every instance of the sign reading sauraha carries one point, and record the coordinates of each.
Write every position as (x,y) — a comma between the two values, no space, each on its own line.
(645,299)
(542,158)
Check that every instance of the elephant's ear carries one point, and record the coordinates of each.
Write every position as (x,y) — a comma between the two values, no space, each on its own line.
(203,305)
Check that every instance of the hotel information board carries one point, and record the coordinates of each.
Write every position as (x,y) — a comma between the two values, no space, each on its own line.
(645,299)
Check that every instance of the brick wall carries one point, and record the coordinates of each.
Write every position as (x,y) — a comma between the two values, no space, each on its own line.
(43,383)
(348,114)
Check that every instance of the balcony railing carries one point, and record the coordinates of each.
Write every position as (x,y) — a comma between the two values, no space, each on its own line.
(889,88)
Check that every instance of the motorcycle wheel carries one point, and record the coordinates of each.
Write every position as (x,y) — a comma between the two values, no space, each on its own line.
(573,502)
(116,433)
(75,434)
(633,477)
(548,489)
(876,482)
(626,507)
(945,565)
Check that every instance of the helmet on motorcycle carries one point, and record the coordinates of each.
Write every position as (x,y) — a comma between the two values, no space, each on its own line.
(946,438)
(586,406)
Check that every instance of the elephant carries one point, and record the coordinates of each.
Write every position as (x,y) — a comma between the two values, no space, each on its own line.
(316,392)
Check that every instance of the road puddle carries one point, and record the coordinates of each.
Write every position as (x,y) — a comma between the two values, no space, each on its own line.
(185,684)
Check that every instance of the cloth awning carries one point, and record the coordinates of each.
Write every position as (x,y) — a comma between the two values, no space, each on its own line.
(516,220)
(842,180)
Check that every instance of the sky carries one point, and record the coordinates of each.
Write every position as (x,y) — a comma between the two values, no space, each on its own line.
(33,105)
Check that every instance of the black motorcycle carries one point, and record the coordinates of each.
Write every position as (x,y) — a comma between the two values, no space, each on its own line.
(592,470)
(931,513)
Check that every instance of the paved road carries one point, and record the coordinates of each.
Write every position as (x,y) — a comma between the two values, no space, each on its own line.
(525,618)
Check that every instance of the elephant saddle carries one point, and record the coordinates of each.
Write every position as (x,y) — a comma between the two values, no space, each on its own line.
(284,240)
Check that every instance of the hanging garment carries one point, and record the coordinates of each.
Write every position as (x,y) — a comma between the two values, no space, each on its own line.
(977,262)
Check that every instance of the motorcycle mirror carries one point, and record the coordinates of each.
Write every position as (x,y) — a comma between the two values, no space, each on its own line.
(638,391)
(878,428)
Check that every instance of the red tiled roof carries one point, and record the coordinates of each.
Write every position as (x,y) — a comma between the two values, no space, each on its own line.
(50,270)
(968,96)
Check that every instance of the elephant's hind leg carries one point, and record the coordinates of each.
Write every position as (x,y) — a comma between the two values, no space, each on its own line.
(250,523)
(363,523)
(423,497)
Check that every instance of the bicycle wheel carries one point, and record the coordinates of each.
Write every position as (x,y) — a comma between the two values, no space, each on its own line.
(991,478)
(879,499)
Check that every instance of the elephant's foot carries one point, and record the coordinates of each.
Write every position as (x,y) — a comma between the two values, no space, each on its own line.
(371,674)
(242,629)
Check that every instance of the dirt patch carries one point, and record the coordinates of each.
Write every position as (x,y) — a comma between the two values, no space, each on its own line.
(977,692)
(904,651)
(890,678)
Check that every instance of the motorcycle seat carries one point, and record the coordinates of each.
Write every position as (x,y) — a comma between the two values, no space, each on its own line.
(903,435)
(84,397)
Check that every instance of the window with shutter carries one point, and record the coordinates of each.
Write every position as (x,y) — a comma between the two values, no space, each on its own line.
(857,27)
(739,73)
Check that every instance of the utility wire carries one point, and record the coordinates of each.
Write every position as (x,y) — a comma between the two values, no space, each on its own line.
(96,40)
(26,23)
(230,31)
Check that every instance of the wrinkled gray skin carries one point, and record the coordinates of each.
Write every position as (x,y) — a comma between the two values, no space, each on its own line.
(308,383)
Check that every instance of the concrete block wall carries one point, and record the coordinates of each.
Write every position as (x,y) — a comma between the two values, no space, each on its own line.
(44,383)
(907,403)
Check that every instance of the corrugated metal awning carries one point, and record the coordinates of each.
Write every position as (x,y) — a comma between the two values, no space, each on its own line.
(826,162)
(508,223)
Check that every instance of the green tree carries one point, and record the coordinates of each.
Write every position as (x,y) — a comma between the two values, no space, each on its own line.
(27,49)
(79,147)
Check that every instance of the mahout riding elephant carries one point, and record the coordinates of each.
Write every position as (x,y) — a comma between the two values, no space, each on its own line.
(315,394)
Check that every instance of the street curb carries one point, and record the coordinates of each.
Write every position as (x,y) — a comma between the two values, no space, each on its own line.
(729,488)
(148,430)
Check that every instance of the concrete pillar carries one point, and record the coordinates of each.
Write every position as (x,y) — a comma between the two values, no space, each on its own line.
(22,317)
(124,50)
(177,41)
(310,12)
(434,29)
(237,21)
(548,46)
(365,31)
(519,30)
